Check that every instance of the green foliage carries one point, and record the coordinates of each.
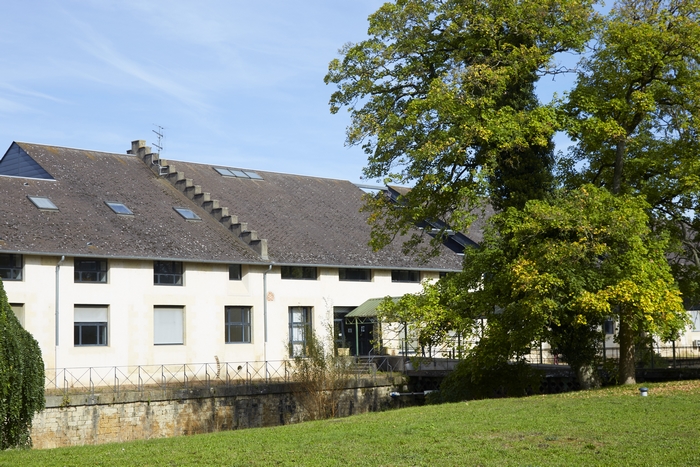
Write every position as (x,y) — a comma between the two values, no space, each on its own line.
(441,98)
(553,272)
(635,117)
(485,378)
(320,375)
(21,379)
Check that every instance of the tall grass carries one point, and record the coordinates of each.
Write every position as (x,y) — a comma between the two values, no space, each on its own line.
(613,426)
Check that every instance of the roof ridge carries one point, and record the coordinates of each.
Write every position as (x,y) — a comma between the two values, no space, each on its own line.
(162,168)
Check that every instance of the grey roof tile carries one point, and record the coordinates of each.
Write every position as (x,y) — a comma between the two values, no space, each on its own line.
(85,225)
(306,220)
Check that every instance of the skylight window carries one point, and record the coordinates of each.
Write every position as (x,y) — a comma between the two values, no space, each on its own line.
(119,208)
(188,214)
(43,203)
(224,172)
(237,173)
(253,175)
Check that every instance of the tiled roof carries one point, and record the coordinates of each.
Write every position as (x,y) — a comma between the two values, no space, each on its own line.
(85,225)
(306,220)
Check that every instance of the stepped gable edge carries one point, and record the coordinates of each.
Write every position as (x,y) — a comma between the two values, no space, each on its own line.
(163,168)
(83,225)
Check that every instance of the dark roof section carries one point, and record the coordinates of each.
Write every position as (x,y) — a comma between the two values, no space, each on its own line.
(473,236)
(17,163)
(85,225)
(306,220)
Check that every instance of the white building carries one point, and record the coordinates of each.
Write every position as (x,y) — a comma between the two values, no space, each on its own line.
(124,259)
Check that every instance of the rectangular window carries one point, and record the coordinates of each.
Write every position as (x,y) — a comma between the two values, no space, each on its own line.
(299,327)
(234,272)
(405,275)
(89,325)
(43,203)
(10,267)
(609,326)
(352,274)
(89,270)
(18,310)
(299,272)
(695,316)
(167,272)
(237,324)
(168,325)
(342,331)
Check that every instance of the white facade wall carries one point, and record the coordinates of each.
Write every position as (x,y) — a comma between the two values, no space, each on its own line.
(130,296)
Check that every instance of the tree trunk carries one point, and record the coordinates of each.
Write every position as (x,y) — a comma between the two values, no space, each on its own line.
(626,370)
(588,377)
(619,164)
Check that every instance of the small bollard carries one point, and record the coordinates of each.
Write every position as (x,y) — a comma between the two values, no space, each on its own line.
(644,392)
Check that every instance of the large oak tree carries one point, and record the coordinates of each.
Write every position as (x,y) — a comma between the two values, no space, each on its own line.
(441,98)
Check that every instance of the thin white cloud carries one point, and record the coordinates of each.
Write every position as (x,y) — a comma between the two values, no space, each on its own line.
(101,48)
(26,92)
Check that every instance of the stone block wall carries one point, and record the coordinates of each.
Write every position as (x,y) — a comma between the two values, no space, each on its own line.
(89,421)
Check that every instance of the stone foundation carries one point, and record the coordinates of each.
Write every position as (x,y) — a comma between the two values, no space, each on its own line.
(98,419)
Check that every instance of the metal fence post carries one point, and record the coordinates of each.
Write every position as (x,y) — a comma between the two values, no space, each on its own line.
(673,344)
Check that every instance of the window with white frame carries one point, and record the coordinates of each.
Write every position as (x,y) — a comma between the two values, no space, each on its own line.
(237,324)
(90,325)
(299,327)
(18,310)
(168,325)
(695,317)
(90,270)
(10,267)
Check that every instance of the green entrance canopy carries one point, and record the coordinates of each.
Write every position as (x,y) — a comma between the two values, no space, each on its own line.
(368,309)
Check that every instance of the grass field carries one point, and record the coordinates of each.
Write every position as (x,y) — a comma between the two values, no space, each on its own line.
(613,426)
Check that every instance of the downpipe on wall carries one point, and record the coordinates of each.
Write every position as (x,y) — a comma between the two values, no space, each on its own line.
(55,357)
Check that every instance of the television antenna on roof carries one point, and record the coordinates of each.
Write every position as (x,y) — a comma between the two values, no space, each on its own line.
(161,136)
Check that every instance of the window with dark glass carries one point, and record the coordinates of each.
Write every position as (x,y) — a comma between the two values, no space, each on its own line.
(234,272)
(299,272)
(90,325)
(609,326)
(352,274)
(237,324)
(405,275)
(10,267)
(167,272)
(90,270)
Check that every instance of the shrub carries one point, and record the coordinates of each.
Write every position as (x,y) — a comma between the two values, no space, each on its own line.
(320,376)
(470,380)
(21,379)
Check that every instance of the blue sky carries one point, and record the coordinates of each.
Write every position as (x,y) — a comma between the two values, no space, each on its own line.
(233,83)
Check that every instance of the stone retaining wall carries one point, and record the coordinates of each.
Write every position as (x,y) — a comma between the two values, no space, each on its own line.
(131,416)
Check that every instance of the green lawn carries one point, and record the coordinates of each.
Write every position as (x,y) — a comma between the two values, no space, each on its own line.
(612,426)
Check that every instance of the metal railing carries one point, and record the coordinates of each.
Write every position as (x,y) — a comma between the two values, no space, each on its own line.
(655,356)
(171,377)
